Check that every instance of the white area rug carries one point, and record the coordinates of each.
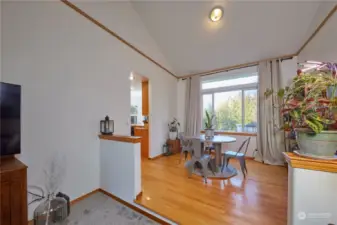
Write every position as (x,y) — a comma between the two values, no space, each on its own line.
(100,209)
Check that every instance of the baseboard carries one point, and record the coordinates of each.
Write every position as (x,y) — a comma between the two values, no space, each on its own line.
(139,195)
(249,157)
(152,217)
(157,157)
(74,201)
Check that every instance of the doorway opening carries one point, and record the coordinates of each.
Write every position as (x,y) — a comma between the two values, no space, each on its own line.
(139,113)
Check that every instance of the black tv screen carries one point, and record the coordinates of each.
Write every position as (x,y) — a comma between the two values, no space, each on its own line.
(10,104)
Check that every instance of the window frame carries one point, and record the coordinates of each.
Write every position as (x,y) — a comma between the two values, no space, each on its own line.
(242,88)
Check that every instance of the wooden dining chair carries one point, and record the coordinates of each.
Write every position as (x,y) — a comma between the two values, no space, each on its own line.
(238,155)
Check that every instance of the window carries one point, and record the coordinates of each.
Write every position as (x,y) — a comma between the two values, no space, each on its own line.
(233,100)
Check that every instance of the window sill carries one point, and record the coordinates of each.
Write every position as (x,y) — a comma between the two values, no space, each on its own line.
(233,133)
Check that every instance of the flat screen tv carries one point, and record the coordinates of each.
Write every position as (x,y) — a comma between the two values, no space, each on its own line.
(10,115)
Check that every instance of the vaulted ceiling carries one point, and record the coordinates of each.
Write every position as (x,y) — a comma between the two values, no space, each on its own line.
(249,30)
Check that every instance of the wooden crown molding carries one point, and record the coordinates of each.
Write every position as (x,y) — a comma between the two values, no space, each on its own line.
(114,34)
(333,10)
(239,66)
(204,73)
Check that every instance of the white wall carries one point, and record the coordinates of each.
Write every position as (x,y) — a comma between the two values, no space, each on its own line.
(116,176)
(323,46)
(72,74)
(288,71)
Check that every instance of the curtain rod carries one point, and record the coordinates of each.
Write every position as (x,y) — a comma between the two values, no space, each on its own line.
(239,66)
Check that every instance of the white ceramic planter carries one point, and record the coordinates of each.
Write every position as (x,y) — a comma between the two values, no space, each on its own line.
(173,135)
(209,133)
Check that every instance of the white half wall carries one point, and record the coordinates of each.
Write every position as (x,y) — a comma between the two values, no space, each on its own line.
(120,170)
(312,197)
(72,74)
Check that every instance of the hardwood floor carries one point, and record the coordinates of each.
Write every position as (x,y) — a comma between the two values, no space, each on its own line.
(261,198)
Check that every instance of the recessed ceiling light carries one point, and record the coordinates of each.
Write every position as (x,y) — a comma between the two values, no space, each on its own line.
(216,14)
(131,77)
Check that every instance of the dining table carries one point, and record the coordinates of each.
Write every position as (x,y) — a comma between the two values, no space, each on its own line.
(217,142)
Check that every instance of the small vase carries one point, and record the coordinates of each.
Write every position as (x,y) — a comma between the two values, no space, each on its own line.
(209,133)
(173,135)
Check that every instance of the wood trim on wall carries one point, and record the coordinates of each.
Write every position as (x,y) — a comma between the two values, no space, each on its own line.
(74,201)
(156,157)
(249,64)
(318,29)
(204,73)
(238,66)
(114,34)
(152,217)
(233,133)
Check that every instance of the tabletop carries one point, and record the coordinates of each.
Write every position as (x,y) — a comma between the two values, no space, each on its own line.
(215,139)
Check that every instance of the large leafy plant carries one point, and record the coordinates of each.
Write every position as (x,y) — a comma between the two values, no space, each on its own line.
(209,120)
(174,125)
(305,104)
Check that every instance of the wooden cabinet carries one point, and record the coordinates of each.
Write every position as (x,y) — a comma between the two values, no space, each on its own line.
(145,98)
(13,192)
(144,144)
(174,145)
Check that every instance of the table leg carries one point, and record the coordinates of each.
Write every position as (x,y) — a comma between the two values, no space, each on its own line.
(218,154)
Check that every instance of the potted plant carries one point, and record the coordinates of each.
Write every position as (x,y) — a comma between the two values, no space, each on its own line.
(309,110)
(173,129)
(209,125)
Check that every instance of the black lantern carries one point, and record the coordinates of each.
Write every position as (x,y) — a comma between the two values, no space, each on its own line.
(107,126)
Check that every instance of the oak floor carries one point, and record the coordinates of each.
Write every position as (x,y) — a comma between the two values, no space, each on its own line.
(260,199)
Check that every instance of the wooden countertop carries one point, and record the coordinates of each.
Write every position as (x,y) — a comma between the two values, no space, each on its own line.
(137,125)
(141,128)
(301,162)
(121,138)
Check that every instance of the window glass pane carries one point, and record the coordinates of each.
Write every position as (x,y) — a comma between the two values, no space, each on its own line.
(228,110)
(231,82)
(250,111)
(206,105)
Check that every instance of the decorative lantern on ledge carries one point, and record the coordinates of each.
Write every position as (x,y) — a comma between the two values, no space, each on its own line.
(107,126)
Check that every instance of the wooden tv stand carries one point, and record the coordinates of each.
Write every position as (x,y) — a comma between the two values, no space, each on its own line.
(13,192)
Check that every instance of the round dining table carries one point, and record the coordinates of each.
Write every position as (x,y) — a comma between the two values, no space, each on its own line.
(217,142)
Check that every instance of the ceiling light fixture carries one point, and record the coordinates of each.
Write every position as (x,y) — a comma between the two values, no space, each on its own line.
(216,14)
(131,77)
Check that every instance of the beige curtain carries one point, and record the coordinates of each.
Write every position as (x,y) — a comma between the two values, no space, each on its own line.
(270,139)
(193,107)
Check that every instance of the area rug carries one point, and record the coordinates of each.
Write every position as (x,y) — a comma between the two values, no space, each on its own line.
(100,209)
